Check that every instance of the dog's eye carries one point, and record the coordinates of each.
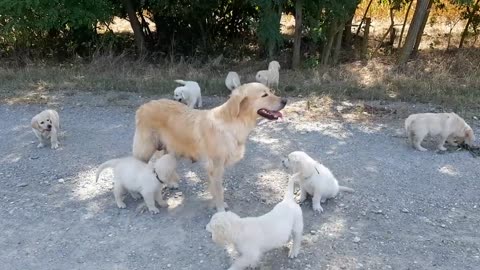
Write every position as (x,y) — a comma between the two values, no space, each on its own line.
(265,95)
(48,120)
(41,123)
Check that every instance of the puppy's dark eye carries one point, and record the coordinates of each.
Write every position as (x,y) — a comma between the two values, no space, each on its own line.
(41,123)
(265,95)
(48,120)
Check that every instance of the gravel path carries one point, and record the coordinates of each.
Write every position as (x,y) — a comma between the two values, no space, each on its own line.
(411,210)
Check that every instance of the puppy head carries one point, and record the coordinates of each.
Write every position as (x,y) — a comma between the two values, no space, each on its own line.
(179,94)
(469,136)
(299,162)
(253,100)
(156,156)
(274,65)
(42,122)
(223,226)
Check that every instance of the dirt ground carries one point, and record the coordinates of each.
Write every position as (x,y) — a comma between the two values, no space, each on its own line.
(411,210)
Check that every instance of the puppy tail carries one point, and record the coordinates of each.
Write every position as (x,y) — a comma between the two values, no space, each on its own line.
(347,189)
(290,189)
(181,82)
(108,164)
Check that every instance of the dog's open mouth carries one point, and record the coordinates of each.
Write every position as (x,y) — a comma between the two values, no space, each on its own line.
(270,115)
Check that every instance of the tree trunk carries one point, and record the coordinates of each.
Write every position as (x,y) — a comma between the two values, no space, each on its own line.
(297,40)
(137,28)
(338,44)
(420,32)
(469,21)
(363,17)
(413,31)
(404,23)
(364,50)
(327,48)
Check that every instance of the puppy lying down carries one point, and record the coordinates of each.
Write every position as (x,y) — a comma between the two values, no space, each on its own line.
(447,126)
(253,236)
(314,179)
(135,176)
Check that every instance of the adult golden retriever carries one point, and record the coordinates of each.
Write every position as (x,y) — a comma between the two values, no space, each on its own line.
(216,137)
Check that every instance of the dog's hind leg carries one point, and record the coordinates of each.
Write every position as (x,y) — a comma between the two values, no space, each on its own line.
(144,145)
(297,237)
(118,191)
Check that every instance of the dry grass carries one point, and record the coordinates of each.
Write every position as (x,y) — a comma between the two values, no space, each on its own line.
(451,80)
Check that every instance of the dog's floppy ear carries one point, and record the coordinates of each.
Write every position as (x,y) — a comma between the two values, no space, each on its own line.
(234,103)
(469,136)
(221,226)
(183,95)
(34,123)
(307,168)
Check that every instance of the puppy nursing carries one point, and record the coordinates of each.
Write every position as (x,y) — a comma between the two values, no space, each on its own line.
(253,236)
(271,76)
(46,126)
(447,126)
(189,94)
(135,176)
(314,179)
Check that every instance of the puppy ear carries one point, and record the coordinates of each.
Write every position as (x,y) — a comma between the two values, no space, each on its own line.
(183,95)
(469,136)
(35,124)
(307,168)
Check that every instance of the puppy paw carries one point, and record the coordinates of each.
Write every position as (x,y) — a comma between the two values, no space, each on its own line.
(442,148)
(318,208)
(54,146)
(154,210)
(163,203)
(121,205)
(293,254)
(40,145)
(421,149)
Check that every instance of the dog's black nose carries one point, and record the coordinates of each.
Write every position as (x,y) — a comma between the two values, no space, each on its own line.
(49,126)
(284,101)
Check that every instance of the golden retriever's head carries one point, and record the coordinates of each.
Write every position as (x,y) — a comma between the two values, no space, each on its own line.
(299,162)
(255,99)
(42,122)
(223,226)
(274,65)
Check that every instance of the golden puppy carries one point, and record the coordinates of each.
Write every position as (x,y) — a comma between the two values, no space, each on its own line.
(216,137)
(448,126)
(46,126)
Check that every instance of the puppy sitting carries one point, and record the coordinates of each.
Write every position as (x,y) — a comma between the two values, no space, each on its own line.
(314,179)
(232,81)
(252,236)
(448,126)
(133,175)
(46,126)
(189,93)
(165,165)
(271,76)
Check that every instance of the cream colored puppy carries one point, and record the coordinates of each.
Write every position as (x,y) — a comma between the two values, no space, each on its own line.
(271,76)
(253,236)
(189,93)
(448,126)
(165,166)
(46,126)
(314,179)
(133,175)
(232,81)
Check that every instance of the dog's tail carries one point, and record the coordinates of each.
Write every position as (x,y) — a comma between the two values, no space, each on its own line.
(290,189)
(108,164)
(181,82)
(347,189)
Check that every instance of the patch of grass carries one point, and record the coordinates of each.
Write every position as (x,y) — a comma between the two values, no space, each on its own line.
(451,80)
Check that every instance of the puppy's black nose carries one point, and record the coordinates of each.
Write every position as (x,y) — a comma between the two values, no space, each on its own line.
(284,101)
(49,126)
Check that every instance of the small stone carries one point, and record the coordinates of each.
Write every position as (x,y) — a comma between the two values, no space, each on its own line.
(443,225)
(378,211)
(22,185)
(169,265)
(356,239)
(405,210)
(476,118)
(179,193)
(303,132)
(313,232)
(61,180)
(34,157)
(342,205)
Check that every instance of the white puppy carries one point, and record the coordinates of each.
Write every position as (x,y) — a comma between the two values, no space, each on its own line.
(189,93)
(252,236)
(448,126)
(46,125)
(271,76)
(135,176)
(165,166)
(232,81)
(314,179)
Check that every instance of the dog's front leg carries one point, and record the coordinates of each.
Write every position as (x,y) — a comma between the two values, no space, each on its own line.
(316,202)
(245,260)
(53,138)
(441,142)
(215,175)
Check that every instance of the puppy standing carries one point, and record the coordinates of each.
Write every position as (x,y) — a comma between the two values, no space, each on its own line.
(189,93)
(448,126)
(252,236)
(46,125)
(134,176)
(314,179)
(232,81)
(271,76)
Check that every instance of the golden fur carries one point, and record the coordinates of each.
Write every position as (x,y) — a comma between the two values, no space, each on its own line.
(216,137)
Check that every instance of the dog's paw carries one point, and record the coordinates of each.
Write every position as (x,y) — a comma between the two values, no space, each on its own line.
(173,185)
(163,203)
(293,254)
(318,208)
(421,149)
(121,205)
(154,210)
(40,145)
(442,148)
(54,146)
